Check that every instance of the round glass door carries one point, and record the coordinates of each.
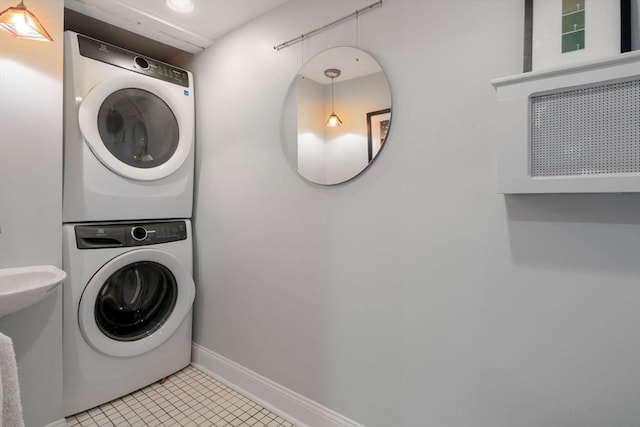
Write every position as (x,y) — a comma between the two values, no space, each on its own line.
(135,301)
(138,128)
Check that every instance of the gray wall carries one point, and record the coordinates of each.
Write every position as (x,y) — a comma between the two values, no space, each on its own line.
(413,295)
(31,201)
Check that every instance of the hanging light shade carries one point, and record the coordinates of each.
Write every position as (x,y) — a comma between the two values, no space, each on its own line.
(23,24)
(334,120)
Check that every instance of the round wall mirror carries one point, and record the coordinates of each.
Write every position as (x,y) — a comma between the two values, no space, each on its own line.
(336,116)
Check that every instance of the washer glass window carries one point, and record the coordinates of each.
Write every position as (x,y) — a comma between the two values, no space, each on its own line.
(135,301)
(138,128)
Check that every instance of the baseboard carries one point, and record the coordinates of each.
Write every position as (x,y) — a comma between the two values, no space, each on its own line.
(286,403)
(59,423)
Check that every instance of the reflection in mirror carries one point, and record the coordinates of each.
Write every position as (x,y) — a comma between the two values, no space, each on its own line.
(336,116)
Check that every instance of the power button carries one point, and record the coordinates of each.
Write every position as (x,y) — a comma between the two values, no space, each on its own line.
(141,63)
(139,233)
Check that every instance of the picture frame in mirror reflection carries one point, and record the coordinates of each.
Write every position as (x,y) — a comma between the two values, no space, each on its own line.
(378,123)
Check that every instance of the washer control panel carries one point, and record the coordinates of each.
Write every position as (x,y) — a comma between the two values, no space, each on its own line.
(104,52)
(125,235)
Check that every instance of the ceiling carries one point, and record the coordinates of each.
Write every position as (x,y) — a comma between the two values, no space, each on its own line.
(189,32)
(352,63)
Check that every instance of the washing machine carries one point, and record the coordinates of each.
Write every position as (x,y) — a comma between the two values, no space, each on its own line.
(127,308)
(128,135)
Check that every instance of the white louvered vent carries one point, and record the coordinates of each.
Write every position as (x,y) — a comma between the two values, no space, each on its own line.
(587,131)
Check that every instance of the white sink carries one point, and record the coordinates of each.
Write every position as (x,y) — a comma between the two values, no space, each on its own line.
(23,286)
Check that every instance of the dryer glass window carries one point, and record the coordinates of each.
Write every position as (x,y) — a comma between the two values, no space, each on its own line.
(138,128)
(135,301)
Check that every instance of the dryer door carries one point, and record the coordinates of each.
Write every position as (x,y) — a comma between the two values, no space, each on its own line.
(133,125)
(135,302)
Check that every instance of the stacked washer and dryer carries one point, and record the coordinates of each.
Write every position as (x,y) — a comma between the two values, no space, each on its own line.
(127,244)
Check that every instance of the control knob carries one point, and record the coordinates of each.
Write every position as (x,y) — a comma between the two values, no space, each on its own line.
(139,233)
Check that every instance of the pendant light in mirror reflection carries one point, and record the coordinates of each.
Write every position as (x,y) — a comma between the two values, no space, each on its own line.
(22,24)
(334,120)
(326,154)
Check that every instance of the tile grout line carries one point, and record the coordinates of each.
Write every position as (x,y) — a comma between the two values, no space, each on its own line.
(187,398)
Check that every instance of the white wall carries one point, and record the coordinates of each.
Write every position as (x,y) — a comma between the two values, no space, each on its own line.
(347,146)
(31,199)
(413,295)
(309,132)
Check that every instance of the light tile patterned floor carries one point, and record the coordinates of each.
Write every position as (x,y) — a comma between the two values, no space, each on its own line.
(187,398)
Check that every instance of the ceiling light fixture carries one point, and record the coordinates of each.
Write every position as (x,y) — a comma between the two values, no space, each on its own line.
(182,6)
(334,120)
(22,24)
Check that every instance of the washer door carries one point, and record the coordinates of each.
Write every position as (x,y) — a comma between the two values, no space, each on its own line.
(133,127)
(135,302)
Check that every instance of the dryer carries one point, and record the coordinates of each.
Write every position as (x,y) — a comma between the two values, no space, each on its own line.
(127,308)
(128,135)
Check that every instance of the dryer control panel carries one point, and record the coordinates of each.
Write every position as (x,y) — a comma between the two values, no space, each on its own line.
(103,236)
(104,52)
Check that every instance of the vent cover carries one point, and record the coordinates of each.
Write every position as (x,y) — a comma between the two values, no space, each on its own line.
(588,131)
